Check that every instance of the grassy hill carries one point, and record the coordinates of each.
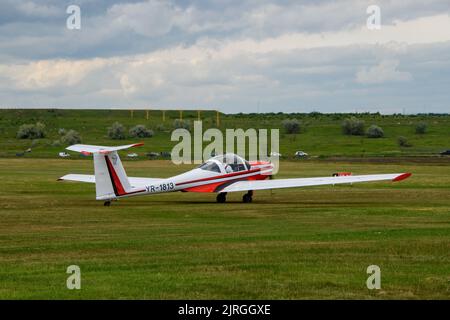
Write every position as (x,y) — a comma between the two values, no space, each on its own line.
(322,135)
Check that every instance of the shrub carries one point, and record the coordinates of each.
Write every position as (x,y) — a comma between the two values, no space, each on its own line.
(56,143)
(403,142)
(291,126)
(421,128)
(140,131)
(31,131)
(181,124)
(71,137)
(353,126)
(62,131)
(160,127)
(116,131)
(375,132)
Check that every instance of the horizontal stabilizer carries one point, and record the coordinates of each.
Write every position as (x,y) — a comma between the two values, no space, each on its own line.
(88,149)
(90,178)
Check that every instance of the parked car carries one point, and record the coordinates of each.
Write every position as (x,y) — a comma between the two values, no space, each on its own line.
(301,154)
(64,154)
(132,155)
(152,154)
(275,154)
(445,153)
(166,155)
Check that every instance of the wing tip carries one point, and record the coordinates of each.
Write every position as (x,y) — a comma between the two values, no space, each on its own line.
(401,177)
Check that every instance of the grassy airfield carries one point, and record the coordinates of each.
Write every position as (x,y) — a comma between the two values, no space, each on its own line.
(288,244)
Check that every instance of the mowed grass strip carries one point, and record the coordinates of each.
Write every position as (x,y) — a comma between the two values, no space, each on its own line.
(287,244)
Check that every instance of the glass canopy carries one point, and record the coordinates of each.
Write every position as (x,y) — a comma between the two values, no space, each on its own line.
(226,163)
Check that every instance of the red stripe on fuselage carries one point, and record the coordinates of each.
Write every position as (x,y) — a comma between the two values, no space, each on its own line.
(114,178)
(222,176)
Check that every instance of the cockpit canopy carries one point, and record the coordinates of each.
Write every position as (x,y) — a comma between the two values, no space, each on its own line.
(226,163)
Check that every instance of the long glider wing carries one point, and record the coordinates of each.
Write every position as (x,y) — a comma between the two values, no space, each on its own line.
(307,182)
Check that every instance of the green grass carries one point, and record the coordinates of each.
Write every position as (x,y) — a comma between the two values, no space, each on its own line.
(287,244)
(322,135)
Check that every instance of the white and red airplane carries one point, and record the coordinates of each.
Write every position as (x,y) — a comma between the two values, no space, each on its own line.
(220,174)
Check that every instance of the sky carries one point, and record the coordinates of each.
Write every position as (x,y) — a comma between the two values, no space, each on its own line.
(234,56)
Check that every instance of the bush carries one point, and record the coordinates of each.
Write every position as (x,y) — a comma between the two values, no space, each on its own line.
(116,131)
(375,132)
(140,131)
(31,131)
(62,131)
(71,137)
(291,126)
(181,124)
(160,127)
(421,128)
(403,142)
(353,126)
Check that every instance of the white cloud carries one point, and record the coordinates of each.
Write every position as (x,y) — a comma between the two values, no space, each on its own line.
(31,8)
(269,57)
(385,71)
(50,74)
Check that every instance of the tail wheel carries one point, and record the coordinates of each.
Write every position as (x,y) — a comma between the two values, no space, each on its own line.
(222,197)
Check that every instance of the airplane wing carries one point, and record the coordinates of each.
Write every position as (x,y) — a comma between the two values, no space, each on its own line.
(90,178)
(86,148)
(307,182)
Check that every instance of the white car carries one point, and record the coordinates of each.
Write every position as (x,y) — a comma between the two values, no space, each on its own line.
(132,155)
(301,154)
(64,154)
(275,154)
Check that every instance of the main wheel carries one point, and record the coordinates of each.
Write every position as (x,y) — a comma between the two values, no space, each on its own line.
(107,203)
(222,197)
(247,198)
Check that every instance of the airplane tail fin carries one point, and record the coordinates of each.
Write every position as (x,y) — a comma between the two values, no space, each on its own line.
(111,180)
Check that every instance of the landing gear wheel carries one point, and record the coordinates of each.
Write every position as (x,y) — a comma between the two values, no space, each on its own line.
(247,198)
(222,197)
(107,203)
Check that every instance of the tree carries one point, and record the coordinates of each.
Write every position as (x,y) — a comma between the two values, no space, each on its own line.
(31,131)
(71,137)
(375,132)
(181,124)
(140,131)
(403,142)
(421,128)
(116,131)
(292,126)
(353,126)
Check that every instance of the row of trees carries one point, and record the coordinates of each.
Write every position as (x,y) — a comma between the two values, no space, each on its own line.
(350,126)
(37,131)
(356,127)
(117,131)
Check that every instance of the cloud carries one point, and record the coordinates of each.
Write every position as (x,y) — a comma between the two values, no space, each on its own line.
(49,74)
(288,55)
(385,71)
